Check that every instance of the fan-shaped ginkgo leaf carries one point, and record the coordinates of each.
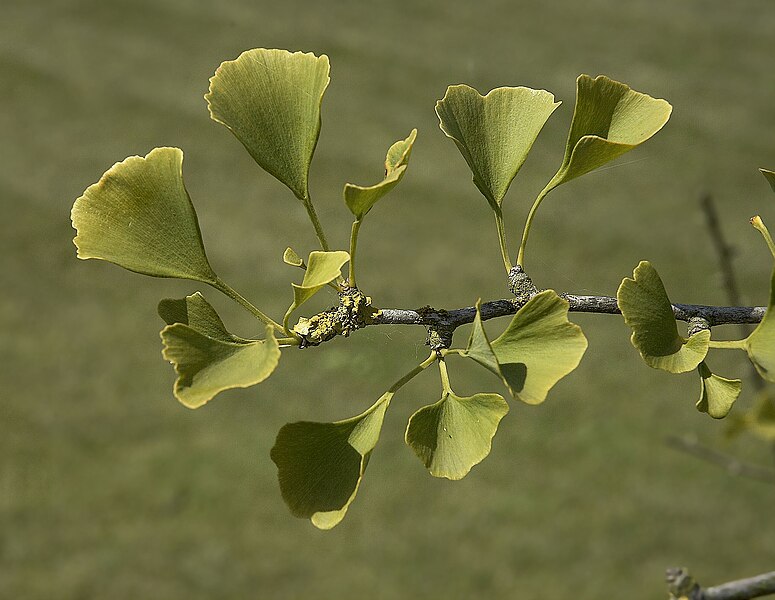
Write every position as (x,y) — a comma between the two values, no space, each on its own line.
(609,119)
(270,100)
(717,394)
(647,310)
(760,345)
(494,133)
(360,199)
(453,435)
(539,347)
(207,358)
(320,465)
(139,216)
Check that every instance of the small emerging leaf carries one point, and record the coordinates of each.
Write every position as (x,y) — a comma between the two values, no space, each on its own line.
(270,100)
(539,347)
(647,310)
(609,120)
(760,345)
(207,358)
(322,268)
(360,200)
(140,217)
(770,177)
(453,435)
(717,394)
(291,258)
(320,465)
(494,133)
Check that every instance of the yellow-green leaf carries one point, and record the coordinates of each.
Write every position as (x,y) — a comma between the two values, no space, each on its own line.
(769,176)
(140,217)
(479,348)
(760,345)
(291,258)
(270,100)
(453,435)
(609,119)
(320,465)
(198,314)
(494,133)
(539,347)
(717,394)
(647,310)
(322,268)
(206,357)
(360,199)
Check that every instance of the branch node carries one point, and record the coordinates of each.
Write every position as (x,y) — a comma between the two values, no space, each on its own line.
(440,328)
(697,324)
(681,585)
(521,285)
(353,312)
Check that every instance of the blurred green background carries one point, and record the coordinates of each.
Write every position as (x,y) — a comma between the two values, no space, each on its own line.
(111,489)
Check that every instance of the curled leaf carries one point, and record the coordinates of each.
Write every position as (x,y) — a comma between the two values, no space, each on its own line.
(207,358)
(494,133)
(270,100)
(717,394)
(198,314)
(647,310)
(322,268)
(609,120)
(320,465)
(140,217)
(539,347)
(760,345)
(453,435)
(360,199)
(291,258)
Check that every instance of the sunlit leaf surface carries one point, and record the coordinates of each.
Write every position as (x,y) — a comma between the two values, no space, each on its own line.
(322,268)
(453,435)
(494,133)
(609,119)
(360,199)
(270,100)
(539,347)
(717,394)
(139,216)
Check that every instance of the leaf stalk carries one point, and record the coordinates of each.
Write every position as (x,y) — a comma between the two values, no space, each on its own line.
(502,239)
(529,222)
(226,289)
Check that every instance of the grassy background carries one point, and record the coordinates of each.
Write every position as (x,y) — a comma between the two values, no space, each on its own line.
(110,489)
